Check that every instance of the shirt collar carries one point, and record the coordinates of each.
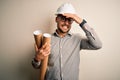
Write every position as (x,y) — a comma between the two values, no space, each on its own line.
(68,34)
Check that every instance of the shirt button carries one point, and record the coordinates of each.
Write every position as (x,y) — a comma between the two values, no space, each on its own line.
(61,65)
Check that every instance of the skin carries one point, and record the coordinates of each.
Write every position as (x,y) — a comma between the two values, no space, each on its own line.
(63,28)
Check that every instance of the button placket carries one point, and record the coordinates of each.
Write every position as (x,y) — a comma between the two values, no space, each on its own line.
(61,63)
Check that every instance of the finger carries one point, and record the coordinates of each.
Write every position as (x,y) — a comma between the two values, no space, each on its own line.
(47,52)
(44,45)
(40,51)
(47,47)
(38,57)
(68,15)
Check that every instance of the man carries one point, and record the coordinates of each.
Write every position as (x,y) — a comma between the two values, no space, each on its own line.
(64,58)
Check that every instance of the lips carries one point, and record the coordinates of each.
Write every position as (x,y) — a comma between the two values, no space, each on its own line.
(65,27)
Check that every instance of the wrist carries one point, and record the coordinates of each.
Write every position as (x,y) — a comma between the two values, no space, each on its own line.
(80,20)
(83,22)
(36,62)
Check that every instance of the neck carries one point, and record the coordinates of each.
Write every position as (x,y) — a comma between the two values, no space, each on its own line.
(61,34)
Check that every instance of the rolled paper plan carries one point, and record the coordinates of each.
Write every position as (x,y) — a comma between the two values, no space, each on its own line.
(46,38)
(38,38)
(44,62)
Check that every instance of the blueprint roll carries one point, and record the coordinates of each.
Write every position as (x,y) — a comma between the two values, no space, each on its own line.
(38,38)
(44,62)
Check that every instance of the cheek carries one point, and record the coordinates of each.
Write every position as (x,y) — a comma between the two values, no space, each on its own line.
(60,23)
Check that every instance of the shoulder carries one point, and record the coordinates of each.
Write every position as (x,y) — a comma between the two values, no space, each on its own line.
(77,35)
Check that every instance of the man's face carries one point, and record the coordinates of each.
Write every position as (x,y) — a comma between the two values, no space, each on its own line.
(63,23)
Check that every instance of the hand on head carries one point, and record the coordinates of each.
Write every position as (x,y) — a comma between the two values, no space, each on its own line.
(75,17)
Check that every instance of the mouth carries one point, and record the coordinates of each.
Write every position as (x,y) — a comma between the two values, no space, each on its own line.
(65,27)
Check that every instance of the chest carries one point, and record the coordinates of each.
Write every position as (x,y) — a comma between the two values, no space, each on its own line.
(64,47)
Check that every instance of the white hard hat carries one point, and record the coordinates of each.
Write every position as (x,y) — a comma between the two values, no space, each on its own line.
(66,8)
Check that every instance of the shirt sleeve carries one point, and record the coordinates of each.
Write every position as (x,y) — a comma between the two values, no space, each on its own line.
(35,64)
(92,41)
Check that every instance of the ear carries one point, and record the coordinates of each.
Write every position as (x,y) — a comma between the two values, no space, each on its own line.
(56,19)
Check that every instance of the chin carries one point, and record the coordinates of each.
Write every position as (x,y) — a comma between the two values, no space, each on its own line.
(65,31)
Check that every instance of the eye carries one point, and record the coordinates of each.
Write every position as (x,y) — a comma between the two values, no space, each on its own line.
(70,19)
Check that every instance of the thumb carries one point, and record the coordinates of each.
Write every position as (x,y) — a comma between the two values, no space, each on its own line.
(44,46)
